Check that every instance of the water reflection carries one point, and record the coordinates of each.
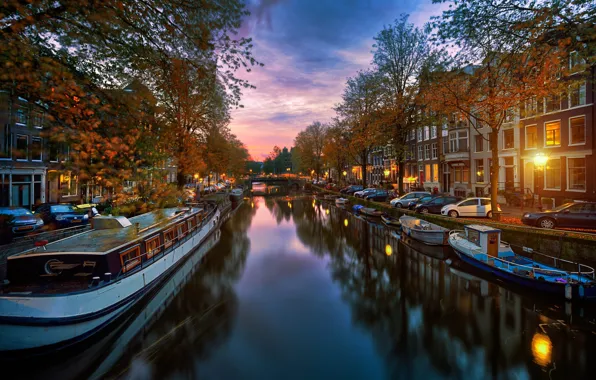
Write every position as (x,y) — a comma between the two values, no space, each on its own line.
(301,289)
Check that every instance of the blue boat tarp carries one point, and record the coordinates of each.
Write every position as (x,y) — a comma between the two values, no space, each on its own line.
(357,207)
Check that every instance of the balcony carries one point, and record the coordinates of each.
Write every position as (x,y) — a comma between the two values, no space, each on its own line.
(458,153)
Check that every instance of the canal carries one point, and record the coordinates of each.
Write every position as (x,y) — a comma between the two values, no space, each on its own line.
(292,288)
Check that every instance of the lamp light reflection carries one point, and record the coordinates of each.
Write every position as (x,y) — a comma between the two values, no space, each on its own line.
(346,222)
(388,250)
(327,211)
(542,349)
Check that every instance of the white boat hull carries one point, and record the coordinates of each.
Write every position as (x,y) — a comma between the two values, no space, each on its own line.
(28,322)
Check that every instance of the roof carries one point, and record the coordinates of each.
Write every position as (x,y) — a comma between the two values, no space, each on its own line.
(482,228)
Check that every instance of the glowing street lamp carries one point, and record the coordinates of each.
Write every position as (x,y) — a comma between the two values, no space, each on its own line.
(344,173)
(540,160)
(386,172)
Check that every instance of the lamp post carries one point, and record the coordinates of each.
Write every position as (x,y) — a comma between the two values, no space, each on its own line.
(540,161)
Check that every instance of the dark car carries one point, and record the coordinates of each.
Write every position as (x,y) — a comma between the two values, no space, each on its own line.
(378,196)
(434,205)
(569,215)
(422,200)
(350,190)
(61,215)
(20,220)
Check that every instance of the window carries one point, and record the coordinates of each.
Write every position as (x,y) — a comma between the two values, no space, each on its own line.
(181,228)
(168,237)
(38,120)
(508,140)
(461,174)
(68,184)
(552,133)
(577,95)
(479,143)
(479,170)
(22,146)
(577,130)
(435,172)
(152,247)
(458,141)
(485,202)
(427,173)
(576,168)
(509,115)
(552,174)
(419,134)
(419,152)
(426,133)
(532,107)
(575,61)
(36,149)
(412,134)
(433,132)
(130,258)
(427,152)
(5,149)
(435,151)
(20,116)
(531,137)
(553,103)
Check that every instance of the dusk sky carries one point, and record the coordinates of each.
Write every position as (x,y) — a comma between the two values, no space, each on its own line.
(309,48)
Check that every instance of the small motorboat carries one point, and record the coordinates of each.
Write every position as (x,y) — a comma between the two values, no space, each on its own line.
(481,247)
(424,231)
(390,220)
(370,212)
(342,201)
(236,195)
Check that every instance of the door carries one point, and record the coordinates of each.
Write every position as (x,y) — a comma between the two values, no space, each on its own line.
(509,181)
(468,208)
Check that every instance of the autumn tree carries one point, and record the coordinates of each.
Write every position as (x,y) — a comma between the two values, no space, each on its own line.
(336,148)
(401,51)
(491,75)
(360,111)
(309,145)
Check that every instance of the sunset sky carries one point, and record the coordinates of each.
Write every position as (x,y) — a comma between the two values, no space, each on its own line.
(309,48)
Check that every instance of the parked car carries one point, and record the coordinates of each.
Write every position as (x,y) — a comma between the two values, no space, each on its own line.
(20,220)
(61,215)
(479,207)
(352,189)
(377,196)
(421,200)
(569,215)
(362,193)
(435,205)
(406,200)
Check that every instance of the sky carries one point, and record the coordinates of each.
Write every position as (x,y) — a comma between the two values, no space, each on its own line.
(309,48)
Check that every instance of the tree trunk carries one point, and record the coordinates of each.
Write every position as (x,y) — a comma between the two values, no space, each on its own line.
(363,164)
(180,177)
(400,178)
(494,182)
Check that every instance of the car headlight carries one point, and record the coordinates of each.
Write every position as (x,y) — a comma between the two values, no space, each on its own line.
(526,215)
(39,223)
(85,217)
(60,217)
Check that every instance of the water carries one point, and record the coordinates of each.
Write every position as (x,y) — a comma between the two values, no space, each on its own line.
(297,289)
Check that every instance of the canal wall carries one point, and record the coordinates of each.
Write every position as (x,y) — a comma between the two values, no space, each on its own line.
(568,245)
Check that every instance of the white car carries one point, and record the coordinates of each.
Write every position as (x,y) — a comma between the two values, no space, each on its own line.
(479,207)
(361,193)
(406,200)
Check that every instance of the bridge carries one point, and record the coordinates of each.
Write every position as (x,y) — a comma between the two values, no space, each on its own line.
(286,182)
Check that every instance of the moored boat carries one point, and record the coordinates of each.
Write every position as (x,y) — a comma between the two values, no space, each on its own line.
(370,212)
(481,247)
(236,195)
(390,220)
(342,201)
(68,290)
(330,197)
(424,231)
(357,208)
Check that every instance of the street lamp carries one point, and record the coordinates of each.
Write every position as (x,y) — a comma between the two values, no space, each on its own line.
(386,172)
(344,173)
(540,161)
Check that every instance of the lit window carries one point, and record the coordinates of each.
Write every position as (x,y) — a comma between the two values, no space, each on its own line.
(152,247)
(480,170)
(552,133)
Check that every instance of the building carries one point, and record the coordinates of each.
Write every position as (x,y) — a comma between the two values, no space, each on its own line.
(560,129)
(456,159)
(22,156)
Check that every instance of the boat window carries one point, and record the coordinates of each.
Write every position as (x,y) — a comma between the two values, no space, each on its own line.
(169,236)
(192,223)
(474,237)
(152,246)
(181,229)
(130,258)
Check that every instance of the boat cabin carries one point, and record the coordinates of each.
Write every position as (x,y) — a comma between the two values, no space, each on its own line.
(487,238)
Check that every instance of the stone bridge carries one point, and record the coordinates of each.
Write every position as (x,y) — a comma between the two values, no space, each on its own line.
(289,183)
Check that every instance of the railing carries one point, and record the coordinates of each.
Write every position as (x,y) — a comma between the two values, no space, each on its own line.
(485,258)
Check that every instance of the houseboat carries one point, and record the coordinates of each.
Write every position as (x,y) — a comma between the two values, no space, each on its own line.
(424,231)
(67,290)
(481,247)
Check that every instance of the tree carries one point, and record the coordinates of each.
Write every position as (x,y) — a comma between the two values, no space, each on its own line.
(360,111)
(309,144)
(65,57)
(400,55)
(491,74)
(336,148)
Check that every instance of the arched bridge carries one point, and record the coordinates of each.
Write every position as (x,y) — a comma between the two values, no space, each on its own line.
(289,183)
